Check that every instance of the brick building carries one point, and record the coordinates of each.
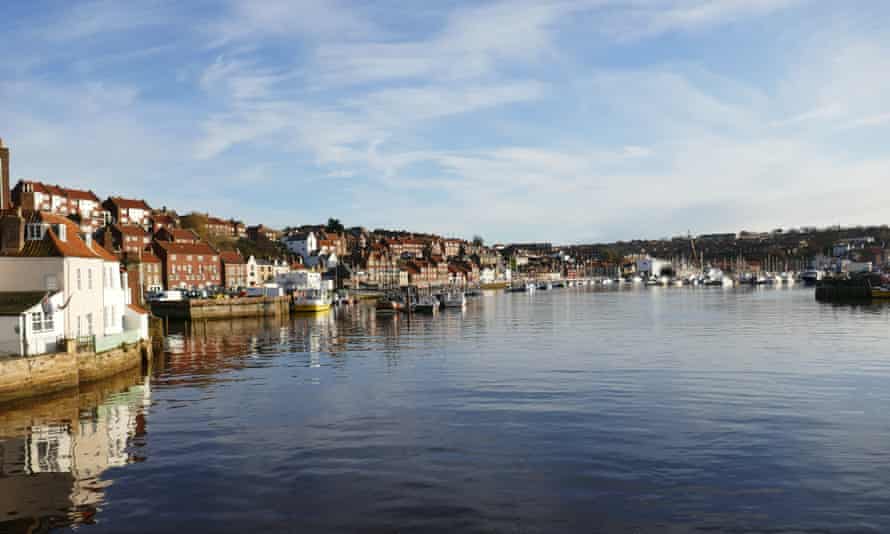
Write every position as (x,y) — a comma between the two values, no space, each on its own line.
(255,233)
(128,211)
(177,235)
(5,201)
(234,269)
(80,205)
(126,239)
(188,265)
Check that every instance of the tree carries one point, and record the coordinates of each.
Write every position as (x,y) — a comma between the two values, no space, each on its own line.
(478,241)
(334,226)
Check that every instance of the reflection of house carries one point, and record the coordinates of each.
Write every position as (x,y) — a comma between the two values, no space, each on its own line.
(53,470)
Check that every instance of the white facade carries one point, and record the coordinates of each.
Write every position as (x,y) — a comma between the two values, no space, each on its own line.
(34,331)
(304,245)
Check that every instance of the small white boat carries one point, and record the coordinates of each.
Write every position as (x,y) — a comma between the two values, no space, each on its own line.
(313,300)
(426,304)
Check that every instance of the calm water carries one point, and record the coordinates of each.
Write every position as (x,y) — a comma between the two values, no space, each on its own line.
(657,410)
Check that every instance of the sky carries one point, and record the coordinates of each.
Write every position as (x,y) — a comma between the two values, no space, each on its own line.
(566,121)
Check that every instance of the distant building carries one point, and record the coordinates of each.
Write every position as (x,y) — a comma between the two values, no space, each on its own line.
(128,211)
(126,239)
(234,269)
(82,206)
(301,244)
(177,235)
(258,232)
(5,201)
(188,265)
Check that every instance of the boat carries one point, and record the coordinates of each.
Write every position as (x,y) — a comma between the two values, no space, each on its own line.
(312,300)
(425,304)
(546,286)
(637,280)
(454,299)
(473,292)
(811,278)
(606,281)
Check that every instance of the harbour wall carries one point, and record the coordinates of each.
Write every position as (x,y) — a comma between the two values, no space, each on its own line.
(34,376)
(205,309)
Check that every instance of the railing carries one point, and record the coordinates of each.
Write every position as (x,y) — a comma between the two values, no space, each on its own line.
(85,343)
(114,341)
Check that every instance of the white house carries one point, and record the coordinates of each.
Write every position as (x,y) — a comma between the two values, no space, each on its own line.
(43,252)
(304,244)
(31,322)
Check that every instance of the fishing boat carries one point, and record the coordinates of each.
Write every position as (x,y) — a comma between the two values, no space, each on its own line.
(425,304)
(454,299)
(312,300)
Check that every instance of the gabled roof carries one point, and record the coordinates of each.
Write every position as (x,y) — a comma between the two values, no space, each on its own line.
(131,229)
(186,248)
(51,246)
(17,302)
(80,194)
(129,203)
(231,257)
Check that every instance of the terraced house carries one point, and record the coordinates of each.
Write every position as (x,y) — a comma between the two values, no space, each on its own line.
(75,203)
(188,265)
(81,289)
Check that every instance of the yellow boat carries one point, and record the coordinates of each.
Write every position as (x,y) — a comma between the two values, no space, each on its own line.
(880,293)
(313,301)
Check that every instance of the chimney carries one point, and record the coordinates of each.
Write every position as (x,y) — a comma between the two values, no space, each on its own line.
(5,201)
(12,232)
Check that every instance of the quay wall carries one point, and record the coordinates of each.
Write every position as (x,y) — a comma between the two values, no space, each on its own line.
(48,373)
(206,309)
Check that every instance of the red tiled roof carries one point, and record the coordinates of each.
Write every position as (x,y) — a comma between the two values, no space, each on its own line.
(103,253)
(130,229)
(231,257)
(51,245)
(179,234)
(128,203)
(80,194)
(186,248)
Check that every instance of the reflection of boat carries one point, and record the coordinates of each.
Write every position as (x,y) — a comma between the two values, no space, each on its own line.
(880,293)
(426,304)
(390,303)
(313,300)
(454,299)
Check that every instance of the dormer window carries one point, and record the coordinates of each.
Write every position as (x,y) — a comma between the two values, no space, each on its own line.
(61,231)
(34,231)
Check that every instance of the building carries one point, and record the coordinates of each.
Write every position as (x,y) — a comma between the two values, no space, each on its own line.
(126,239)
(30,322)
(452,247)
(261,271)
(77,204)
(234,269)
(177,235)
(128,211)
(44,252)
(303,244)
(151,273)
(258,232)
(163,219)
(407,246)
(188,265)
(5,201)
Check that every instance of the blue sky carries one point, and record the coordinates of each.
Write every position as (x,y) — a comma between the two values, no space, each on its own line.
(568,121)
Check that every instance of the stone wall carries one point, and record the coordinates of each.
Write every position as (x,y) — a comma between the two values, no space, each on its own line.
(48,373)
(192,310)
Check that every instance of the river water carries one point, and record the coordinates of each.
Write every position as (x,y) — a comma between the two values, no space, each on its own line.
(641,410)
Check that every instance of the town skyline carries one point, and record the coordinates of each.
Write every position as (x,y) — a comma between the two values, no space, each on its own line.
(588,122)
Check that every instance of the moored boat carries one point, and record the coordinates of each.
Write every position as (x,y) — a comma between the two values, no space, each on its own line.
(313,300)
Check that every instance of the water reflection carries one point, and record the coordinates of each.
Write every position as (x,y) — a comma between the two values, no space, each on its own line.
(54,452)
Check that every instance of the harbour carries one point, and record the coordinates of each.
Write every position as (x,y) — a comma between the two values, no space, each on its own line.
(552,410)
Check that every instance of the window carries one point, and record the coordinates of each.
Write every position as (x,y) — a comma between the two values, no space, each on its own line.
(36,322)
(105,316)
(89,324)
(89,279)
(78,280)
(34,232)
(113,316)
(49,323)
